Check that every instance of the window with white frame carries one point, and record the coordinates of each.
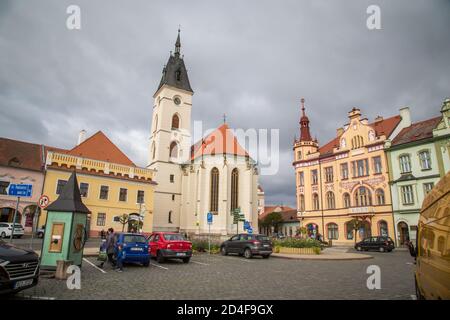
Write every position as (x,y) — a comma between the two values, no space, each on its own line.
(314,177)
(377,164)
(101,218)
(425,160)
(405,163)
(407,194)
(329,174)
(344,171)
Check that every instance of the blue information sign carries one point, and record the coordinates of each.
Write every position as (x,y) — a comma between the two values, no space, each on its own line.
(20,190)
(210,217)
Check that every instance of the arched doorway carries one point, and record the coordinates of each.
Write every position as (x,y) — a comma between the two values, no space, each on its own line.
(7,215)
(312,230)
(403,231)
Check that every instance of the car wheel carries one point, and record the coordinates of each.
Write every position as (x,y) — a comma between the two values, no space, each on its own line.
(3,235)
(186,260)
(358,248)
(146,264)
(382,249)
(159,257)
(418,293)
(223,251)
(248,253)
(266,256)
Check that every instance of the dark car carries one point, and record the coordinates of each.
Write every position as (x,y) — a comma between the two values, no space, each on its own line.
(381,244)
(135,248)
(19,268)
(169,245)
(248,245)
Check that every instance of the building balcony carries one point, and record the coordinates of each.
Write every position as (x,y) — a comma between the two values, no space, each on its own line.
(96,166)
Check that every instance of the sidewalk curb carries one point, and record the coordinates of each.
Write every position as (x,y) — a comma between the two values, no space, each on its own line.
(305,257)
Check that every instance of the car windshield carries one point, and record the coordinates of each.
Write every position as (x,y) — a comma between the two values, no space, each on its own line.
(173,237)
(134,238)
(263,238)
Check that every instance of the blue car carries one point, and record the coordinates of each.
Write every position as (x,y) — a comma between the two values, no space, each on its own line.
(135,247)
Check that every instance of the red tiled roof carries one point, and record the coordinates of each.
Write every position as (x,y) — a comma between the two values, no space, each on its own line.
(99,147)
(20,154)
(289,215)
(417,131)
(269,209)
(220,141)
(383,127)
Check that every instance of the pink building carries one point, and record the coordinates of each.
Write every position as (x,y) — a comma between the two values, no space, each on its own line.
(20,162)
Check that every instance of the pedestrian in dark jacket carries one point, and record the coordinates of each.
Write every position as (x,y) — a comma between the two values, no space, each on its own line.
(110,246)
(120,258)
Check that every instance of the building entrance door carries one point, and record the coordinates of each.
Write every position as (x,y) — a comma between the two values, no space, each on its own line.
(403,230)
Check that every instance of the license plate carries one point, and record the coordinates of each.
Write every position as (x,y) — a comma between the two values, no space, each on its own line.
(136,249)
(23,283)
(266,245)
(181,254)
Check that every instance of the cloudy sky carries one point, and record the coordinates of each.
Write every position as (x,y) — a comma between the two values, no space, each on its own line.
(252,60)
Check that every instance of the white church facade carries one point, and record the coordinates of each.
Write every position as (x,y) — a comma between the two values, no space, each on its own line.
(214,175)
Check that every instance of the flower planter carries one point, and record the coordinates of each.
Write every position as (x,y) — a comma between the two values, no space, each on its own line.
(297,250)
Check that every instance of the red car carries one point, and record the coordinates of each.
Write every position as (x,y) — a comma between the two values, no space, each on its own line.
(169,245)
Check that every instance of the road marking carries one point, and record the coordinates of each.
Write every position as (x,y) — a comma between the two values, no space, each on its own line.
(203,264)
(37,297)
(413,297)
(409,263)
(156,265)
(99,269)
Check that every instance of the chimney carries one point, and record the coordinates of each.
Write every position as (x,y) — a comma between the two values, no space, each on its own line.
(81,137)
(406,116)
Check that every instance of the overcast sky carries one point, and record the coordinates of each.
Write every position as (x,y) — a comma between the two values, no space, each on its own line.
(252,60)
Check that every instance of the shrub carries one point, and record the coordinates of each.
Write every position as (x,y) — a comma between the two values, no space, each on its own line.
(202,246)
(297,243)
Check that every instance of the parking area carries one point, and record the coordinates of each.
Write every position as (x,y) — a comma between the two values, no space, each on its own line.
(233,277)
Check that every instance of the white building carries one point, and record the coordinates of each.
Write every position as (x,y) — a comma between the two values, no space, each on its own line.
(214,175)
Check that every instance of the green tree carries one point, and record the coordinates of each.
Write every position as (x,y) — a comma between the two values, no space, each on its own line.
(124,219)
(272,220)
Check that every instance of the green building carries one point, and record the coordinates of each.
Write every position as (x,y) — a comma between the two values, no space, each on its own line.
(418,157)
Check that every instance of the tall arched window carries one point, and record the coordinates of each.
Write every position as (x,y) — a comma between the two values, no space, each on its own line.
(214,194)
(380,196)
(316,205)
(333,231)
(383,228)
(347,202)
(234,189)
(331,203)
(175,122)
(363,197)
(173,150)
(302,202)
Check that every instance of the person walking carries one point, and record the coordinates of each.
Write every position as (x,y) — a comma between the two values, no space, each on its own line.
(102,255)
(110,247)
(120,258)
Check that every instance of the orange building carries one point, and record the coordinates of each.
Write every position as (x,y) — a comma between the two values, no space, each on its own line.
(346,179)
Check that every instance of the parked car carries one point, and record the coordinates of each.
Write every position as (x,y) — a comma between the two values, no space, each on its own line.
(135,247)
(169,245)
(432,251)
(6,229)
(248,245)
(19,268)
(380,243)
(40,232)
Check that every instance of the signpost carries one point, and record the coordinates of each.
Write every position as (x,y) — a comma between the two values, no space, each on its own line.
(18,190)
(210,221)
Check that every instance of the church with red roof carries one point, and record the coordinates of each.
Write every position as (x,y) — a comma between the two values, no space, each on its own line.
(214,175)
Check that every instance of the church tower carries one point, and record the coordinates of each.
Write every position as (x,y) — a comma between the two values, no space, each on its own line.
(170,139)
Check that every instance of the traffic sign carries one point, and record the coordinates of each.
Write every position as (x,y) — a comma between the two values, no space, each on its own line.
(20,190)
(250,230)
(210,217)
(44,201)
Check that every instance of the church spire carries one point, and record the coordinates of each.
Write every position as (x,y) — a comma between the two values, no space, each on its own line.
(178,44)
(305,135)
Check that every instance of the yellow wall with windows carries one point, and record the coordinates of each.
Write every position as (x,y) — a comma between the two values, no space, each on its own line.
(112,206)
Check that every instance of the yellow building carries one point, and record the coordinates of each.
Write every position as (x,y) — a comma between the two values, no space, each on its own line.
(111,184)
(345,179)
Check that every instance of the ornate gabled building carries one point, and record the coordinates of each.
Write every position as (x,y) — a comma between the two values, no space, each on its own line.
(214,175)
(346,178)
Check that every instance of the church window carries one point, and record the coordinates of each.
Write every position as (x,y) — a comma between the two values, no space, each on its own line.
(175,122)
(173,150)
(172,178)
(234,189)
(169,220)
(153,150)
(214,194)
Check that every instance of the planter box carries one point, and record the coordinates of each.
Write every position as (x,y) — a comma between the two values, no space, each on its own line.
(297,250)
